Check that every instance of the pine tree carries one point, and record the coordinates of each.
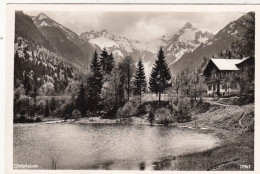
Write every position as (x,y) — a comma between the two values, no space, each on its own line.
(110,64)
(140,81)
(96,68)
(81,101)
(160,76)
(94,84)
(103,60)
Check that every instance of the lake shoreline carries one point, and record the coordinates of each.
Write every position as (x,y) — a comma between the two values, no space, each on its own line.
(236,145)
(236,149)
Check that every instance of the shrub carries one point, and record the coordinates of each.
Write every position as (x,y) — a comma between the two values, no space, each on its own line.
(40,104)
(183,110)
(202,107)
(163,116)
(129,109)
(57,112)
(111,113)
(142,109)
(22,106)
(47,110)
(53,104)
(66,116)
(38,119)
(66,109)
(119,113)
(76,114)
(151,116)
(22,119)
(90,114)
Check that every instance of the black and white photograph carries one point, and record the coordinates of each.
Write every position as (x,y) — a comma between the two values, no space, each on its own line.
(101,88)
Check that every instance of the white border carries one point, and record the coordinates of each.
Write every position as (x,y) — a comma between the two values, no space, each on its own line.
(9,36)
(193,2)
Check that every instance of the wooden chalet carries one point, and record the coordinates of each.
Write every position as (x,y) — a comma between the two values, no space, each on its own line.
(219,71)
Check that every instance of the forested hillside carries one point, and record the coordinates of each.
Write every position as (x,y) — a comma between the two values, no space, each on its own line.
(39,71)
(25,28)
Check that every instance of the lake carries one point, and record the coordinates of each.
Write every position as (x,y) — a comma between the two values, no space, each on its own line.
(104,146)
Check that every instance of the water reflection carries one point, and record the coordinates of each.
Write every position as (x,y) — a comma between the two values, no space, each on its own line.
(106,146)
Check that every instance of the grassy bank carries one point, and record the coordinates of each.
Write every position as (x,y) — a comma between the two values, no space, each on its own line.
(234,125)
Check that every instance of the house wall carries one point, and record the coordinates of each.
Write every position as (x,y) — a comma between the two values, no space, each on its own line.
(225,89)
(215,76)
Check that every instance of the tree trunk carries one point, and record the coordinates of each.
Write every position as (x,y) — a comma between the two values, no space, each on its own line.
(159,97)
(128,83)
(140,97)
(177,96)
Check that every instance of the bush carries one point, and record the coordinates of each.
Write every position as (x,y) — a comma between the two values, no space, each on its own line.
(150,111)
(21,106)
(183,110)
(22,119)
(110,114)
(76,114)
(53,104)
(41,106)
(142,109)
(202,107)
(66,116)
(38,119)
(163,116)
(119,113)
(67,109)
(129,109)
(57,112)
(90,114)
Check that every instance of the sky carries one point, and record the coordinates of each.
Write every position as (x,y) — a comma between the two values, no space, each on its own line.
(142,26)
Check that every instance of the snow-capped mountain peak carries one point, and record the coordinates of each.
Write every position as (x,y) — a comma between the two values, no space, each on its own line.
(119,45)
(42,20)
(185,40)
(104,31)
(188,25)
(42,16)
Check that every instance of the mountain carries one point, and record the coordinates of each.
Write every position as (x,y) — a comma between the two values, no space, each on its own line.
(37,68)
(25,28)
(184,41)
(221,41)
(120,46)
(65,42)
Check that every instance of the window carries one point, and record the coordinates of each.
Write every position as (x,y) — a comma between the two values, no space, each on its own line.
(223,74)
